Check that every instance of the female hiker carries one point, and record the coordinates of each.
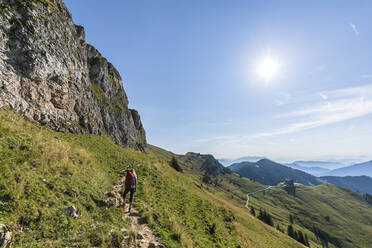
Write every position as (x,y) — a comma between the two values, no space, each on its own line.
(130,187)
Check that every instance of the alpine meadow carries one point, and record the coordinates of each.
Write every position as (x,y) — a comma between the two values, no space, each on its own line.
(185,124)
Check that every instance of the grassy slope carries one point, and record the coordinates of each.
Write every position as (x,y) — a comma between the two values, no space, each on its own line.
(349,216)
(81,168)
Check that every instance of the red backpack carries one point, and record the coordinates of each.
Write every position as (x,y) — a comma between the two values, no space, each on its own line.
(130,180)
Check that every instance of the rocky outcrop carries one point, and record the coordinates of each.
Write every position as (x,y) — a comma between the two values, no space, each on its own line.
(49,74)
(206,163)
(5,236)
(72,211)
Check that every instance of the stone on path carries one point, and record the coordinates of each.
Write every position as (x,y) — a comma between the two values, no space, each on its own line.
(72,211)
(5,236)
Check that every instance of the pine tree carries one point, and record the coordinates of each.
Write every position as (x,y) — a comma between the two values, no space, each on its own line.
(291,218)
(307,241)
(261,215)
(175,165)
(206,178)
(300,237)
(269,220)
(290,231)
(253,212)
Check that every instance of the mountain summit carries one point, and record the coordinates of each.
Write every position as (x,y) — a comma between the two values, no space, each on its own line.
(269,172)
(51,75)
(362,169)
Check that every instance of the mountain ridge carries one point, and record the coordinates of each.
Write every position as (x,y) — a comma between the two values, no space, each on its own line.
(269,172)
(52,76)
(228,162)
(362,184)
(360,169)
(315,171)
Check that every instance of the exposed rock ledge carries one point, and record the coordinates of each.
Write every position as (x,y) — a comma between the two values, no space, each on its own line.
(49,74)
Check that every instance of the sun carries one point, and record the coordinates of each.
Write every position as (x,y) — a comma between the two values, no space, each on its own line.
(268,68)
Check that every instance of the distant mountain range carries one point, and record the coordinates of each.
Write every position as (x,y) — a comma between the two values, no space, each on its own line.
(318,164)
(353,170)
(315,171)
(228,162)
(356,177)
(269,172)
(363,184)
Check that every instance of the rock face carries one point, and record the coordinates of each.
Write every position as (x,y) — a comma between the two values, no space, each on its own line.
(5,237)
(49,74)
(205,162)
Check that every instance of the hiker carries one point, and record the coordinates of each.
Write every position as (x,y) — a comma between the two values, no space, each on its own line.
(130,186)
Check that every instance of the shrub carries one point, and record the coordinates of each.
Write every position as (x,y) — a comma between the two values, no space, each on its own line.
(174,164)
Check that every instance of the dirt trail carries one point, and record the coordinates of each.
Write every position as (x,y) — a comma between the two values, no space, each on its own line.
(145,237)
(252,193)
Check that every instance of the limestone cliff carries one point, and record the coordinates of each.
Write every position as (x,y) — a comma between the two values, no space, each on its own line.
(51,75)
(205,162)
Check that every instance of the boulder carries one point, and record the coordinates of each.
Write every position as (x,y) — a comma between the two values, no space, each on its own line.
(5,236)
(72,211)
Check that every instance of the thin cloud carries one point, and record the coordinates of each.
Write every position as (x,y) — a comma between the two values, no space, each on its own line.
(366,76)
(335,106)
(340,105)
(356,31)
(323,95)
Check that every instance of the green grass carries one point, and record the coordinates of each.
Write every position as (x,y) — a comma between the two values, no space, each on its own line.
(114,103)
(29,154)
(343,214)
(182,210)
(79,170)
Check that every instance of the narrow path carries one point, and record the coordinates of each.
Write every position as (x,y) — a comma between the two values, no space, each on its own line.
(255,192)
(145,237)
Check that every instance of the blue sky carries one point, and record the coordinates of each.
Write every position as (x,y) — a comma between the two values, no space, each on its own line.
(190,68)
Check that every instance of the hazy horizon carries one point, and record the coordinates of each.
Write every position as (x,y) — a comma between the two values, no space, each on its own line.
(285,80)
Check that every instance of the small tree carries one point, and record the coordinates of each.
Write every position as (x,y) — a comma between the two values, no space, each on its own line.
(278,228)
(290,231)
(174,164)
(207,178)
(265,217)
(269,220)
(291,218)
(307,241)
(253,212)
(368,198)
(300,237)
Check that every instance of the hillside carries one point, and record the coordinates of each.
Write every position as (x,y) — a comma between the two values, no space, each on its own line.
(339,217)
(270,173)
(180,207)
(329,211)
(362,169)
(362,184)
(43,172)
